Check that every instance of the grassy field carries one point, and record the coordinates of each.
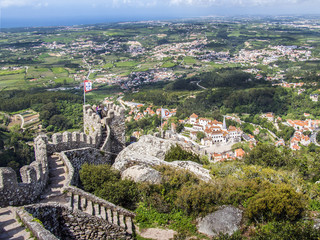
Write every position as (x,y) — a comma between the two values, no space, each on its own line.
(126,64)
(59,70)
(168,64)
(189,60)
(101,93)
(107,66)
(16,81)
(13,72)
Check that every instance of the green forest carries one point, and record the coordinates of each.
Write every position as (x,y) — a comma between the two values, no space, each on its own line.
(229,92)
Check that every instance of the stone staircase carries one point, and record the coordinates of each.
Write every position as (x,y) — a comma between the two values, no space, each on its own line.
(103,138)
(10,228)
(57,179)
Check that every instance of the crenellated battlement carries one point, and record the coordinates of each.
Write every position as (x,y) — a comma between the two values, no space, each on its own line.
(106,134)
(34,178)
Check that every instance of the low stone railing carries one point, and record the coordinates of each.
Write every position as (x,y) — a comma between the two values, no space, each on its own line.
(34,179)
(98,207)
(94,205)
(34,226)
(107,142)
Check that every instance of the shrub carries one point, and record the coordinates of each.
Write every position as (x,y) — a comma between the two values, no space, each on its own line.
(197,199)
(123,192)
(176,153)
(277,202)
(287,230)
(94,176)
(266,155)
(106,183)
(149,217)
(162,196)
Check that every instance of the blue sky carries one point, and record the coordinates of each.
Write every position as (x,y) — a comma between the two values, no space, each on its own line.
(15,13)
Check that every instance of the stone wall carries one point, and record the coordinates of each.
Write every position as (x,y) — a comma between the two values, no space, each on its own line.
(67,141)
(113,122)
(117,131)
(34,226)
(66,223)
(34,178)
(106,134)
(189,146)
(74,159)
(92,123)
(81,200)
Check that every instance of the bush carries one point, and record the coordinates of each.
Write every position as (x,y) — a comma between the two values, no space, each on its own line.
(287,230)
(197,199)
(106,183)
(267,155)
(94,176)
(277,202)
(123,192)
(149,217)
(176,153)
(162,196)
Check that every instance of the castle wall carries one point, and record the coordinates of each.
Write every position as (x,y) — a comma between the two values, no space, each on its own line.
(65,223)
(107,134)
(81,200)
(117,128)
(113,123)
(34,178)
(74,159)
(92,124)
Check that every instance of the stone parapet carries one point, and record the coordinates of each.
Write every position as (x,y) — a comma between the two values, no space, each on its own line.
(34,178)
(54,221)
(106,134)
(34,226)
(81,200)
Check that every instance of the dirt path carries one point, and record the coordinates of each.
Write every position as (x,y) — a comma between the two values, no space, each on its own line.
(157,233)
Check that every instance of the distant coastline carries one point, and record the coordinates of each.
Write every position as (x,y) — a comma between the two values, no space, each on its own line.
(6,23)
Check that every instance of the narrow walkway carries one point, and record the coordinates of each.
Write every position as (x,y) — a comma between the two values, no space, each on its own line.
(57,179)
(103,138)
(10,228)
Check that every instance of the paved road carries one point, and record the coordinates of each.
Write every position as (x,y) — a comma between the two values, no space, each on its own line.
(255,125)
(200,85)
(22,121)
(122,102)
(313,137)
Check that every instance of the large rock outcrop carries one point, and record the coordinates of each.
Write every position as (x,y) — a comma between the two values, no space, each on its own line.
(225,220)
(140,173)
(150,151)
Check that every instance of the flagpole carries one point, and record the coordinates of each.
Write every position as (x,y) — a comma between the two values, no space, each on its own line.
(161,118)
(84,93)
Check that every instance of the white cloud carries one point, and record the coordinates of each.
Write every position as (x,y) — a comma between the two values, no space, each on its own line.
(22,3)
(236,2)
(151,3)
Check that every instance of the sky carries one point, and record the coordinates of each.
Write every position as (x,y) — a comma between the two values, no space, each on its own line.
(26,13)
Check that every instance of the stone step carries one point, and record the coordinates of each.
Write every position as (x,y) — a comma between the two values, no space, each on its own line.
(58,163)
(56,180)
(10,228)
(57,168)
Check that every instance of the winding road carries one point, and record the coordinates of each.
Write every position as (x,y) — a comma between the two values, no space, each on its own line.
(200,85)
(313,137)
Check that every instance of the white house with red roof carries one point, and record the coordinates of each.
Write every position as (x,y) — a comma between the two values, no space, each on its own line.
(204,121)
(269,116)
